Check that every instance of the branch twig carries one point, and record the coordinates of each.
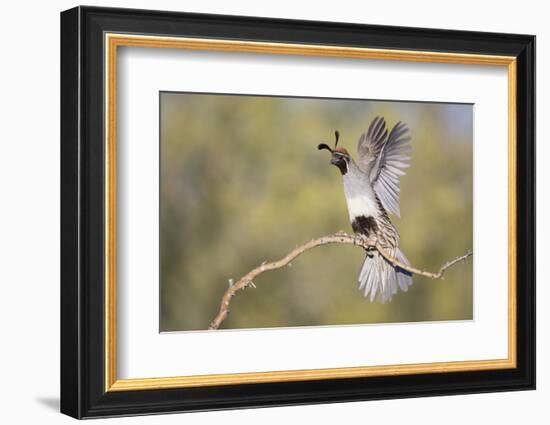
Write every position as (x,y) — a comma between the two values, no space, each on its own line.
(340,237)
(414,270)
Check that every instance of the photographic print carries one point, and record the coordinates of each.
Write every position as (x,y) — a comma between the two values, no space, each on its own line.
(259,183)
(287,211)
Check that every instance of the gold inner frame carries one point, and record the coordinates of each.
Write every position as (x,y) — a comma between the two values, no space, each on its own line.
(113,41)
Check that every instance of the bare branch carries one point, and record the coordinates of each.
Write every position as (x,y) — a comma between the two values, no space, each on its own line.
(414,270)
(339,237)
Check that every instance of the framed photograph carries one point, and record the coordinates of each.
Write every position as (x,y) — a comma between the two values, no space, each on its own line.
(261,212)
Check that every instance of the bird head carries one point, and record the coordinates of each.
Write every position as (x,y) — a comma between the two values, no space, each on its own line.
(340,156)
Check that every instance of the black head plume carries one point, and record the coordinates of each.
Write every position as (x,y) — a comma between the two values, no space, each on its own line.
(324,146)
(327,147)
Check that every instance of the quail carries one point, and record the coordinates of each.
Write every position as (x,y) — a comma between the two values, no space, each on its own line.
(371,189)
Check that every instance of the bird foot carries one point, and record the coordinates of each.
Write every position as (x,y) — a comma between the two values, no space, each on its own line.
(365,240)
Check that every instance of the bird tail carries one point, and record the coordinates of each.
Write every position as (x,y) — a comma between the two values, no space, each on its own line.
(381,279)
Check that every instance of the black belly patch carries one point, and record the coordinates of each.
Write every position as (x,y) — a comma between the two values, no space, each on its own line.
(364,225)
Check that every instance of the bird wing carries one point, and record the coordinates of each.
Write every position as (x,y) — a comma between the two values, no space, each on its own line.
(371,144)
(393,158)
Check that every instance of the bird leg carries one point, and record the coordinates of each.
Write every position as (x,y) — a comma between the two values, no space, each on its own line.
(367,240)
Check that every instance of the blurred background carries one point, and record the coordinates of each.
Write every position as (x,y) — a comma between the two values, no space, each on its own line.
(242,182)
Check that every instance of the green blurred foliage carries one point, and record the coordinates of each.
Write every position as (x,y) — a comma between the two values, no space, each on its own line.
(242,182)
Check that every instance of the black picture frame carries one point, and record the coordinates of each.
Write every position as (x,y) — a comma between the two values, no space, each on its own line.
(83,392)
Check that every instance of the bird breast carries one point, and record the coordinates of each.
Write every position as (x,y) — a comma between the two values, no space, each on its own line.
(360,197)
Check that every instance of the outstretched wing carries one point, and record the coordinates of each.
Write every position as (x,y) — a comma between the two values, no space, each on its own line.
(393,158)
(371,144)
